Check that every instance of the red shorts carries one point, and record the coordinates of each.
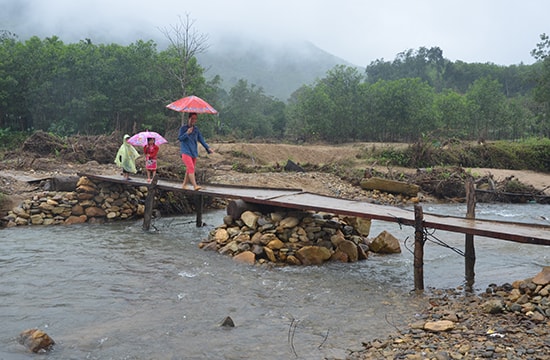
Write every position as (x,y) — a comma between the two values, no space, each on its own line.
(189,163)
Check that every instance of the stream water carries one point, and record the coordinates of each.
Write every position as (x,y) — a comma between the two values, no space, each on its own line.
(115,292)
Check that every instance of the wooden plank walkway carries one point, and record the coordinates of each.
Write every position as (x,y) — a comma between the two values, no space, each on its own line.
(298,199)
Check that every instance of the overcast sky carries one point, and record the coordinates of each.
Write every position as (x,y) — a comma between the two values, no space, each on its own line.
(359,31)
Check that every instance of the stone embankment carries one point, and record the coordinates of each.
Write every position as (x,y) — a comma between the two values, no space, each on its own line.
(296,238)
(90,202)
(511,321)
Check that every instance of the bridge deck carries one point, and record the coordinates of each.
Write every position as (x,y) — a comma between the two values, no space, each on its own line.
(298,199)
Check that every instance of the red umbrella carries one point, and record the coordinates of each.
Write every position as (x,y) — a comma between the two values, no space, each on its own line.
(140,139)
(192,104)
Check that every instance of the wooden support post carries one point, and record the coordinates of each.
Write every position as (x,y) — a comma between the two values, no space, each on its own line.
(469,250)
(418,248)
(150,203)
(199,203)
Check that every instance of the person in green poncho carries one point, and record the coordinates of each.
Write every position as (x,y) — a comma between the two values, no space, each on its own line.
(126,158)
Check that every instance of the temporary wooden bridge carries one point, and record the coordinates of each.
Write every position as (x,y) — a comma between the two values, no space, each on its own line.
(297,199)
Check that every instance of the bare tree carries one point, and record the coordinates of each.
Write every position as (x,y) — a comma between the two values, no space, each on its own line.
(187,43)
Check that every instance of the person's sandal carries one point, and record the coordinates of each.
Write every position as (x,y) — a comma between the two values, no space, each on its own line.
(197,188)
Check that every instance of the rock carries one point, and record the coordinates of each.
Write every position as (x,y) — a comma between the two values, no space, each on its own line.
(267,238)
(385,243)
(250,219)
(20,212)
(246,257)
(313,255)
(95,212)
(276,244)
(84,181)
(361,225)
(292,166)
(289,222)
(439,326)
(350,249)
(75,220)
(543,277)
(492,306)
(293,260)
(227,322)
(37,219)
(36,340)
(339,255)
(21,221)
(86,189)
(270,254)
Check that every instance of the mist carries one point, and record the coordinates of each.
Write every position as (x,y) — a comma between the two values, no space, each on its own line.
(502,32)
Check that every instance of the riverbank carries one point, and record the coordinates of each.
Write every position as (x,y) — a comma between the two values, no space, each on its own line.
(511,321)
(471,326)
(332,170)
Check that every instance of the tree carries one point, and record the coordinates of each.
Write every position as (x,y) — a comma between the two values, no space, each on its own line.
(250,113)
(488,108)
(400,110)
(331,109)
(452,111)
(425,64)
(542,76)
(185,44)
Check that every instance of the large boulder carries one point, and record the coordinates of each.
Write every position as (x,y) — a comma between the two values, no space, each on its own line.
(313,255)
(385,243)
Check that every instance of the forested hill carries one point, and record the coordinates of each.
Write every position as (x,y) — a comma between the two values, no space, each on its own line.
(278,69)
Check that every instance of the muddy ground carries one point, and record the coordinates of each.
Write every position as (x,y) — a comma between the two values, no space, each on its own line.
(334,170)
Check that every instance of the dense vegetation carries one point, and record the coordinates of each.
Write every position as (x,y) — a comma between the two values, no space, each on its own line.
(87,88)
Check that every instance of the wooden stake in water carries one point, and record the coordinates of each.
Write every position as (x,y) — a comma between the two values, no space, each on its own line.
(469,250)
(418,248)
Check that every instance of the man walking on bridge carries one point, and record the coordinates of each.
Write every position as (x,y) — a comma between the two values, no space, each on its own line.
(189,137)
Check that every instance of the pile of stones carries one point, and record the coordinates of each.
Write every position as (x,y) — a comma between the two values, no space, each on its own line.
(296,238)
(511,321)
(90,202)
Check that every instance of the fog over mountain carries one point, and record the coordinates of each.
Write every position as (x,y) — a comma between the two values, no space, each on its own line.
(279,69)
(502,32)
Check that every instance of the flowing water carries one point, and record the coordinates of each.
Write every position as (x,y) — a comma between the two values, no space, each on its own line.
(115,292)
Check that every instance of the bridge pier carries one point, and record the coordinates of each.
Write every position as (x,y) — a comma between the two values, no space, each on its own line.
(418,248)
(149,203)
(469,250)
(199,205)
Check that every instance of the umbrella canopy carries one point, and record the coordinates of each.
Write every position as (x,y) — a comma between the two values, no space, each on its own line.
(140,139)
(192,104)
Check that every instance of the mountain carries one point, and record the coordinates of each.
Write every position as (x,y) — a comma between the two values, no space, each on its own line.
(279,69)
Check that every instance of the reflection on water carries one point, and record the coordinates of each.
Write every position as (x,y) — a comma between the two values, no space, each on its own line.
(113,291)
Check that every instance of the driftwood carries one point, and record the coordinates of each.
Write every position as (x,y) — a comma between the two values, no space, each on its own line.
(235,208)
(61,183)
(390,186)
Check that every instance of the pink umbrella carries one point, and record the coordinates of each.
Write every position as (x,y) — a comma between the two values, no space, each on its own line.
(140,139)
(192,104)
